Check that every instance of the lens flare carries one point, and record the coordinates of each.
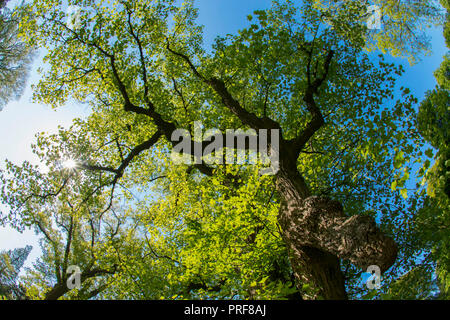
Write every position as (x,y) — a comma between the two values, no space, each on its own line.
(69,164)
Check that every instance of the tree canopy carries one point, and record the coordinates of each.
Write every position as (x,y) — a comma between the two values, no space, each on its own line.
(433,122)
(11,263)
(138,225)
(15,57)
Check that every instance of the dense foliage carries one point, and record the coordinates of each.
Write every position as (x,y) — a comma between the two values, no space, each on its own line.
(15,57)
(140,226)
(11,263)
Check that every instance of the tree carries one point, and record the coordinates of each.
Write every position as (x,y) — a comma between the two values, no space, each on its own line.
(15,58)
(403,23)
(427,277)
(3,3)
(222,230)
(433,120)
(11,262)
(76,230)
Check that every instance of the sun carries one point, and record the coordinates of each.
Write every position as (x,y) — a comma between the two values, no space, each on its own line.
(69,164)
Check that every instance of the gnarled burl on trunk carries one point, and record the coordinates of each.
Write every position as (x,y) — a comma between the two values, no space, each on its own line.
(318,233)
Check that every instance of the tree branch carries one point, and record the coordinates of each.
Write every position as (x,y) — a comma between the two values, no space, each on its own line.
(317,120)
(228,100)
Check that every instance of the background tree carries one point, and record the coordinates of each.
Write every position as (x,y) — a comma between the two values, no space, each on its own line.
(425,228)
(11,263)
(403,23)
(3,3)
(66,209)
(434,119)
(221,230)
(15,57)
(433,122)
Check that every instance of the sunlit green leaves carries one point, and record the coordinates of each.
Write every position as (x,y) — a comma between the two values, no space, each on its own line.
(182,234)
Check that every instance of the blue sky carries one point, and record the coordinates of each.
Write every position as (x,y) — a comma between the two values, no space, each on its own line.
(21,120)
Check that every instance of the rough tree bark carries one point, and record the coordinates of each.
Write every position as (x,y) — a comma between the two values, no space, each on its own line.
(318,234)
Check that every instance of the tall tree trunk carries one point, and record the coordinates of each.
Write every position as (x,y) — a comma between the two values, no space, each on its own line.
(318,234)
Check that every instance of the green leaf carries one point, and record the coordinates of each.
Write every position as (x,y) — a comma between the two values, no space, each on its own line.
(429,153)
(394,185)
(404,193)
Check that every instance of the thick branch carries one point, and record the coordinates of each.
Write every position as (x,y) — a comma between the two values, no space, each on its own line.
(228,100)
(68,244)
(317,120)
(61,288)
(126,162)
